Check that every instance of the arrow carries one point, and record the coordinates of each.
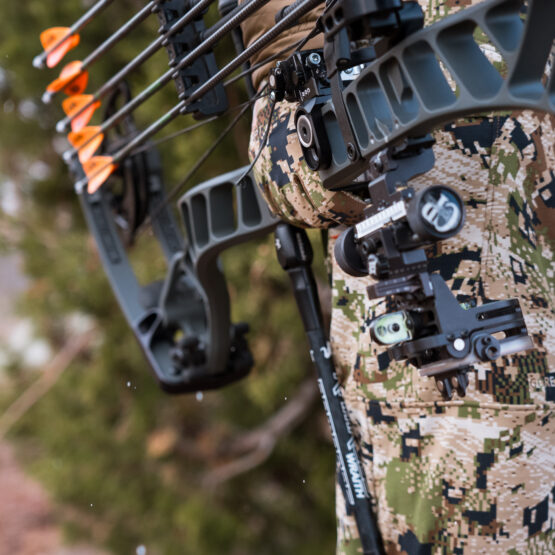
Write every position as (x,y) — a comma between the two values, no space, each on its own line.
(58,41)
(98,169)
(100,50)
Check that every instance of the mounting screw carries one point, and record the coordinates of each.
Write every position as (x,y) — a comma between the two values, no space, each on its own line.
(351,151)
(314,59)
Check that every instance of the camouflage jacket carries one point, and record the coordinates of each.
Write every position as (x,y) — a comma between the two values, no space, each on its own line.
(473,474)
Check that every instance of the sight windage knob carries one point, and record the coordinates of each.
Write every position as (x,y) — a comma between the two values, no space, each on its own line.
(348,256)
(436,213)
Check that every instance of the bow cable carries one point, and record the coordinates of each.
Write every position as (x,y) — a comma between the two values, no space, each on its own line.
(194,126)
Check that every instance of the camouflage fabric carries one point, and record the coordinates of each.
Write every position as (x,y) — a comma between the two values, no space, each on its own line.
(473,474)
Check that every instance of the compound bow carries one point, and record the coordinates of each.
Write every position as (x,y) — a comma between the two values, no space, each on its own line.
(365,108)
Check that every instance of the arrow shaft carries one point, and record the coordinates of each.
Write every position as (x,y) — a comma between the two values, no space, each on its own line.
(138,18)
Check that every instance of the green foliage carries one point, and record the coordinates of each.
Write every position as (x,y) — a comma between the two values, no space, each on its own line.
(130,462)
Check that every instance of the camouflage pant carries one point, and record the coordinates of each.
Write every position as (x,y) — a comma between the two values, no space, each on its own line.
(468,475)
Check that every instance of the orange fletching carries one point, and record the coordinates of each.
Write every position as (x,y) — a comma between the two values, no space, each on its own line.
(78,85)
(86,142)
(52,36)
(98,169)
(74,104)
(67,75)
(79,138)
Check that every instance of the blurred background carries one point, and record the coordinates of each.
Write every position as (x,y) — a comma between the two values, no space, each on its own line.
(94,458)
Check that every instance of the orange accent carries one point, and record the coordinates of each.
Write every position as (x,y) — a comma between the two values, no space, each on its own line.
(67,75)
(86,142)
(52,36)
(74,104)
(98,169)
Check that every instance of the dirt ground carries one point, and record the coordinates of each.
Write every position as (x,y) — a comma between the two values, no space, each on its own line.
(28,524)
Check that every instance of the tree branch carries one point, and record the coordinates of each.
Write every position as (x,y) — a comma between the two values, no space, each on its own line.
(64,357)
(254,447)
